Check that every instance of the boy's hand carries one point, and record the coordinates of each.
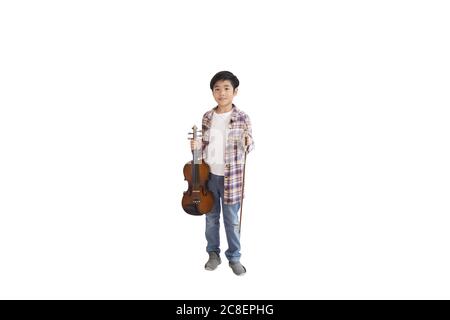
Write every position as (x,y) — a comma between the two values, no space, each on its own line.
(195,144)
(247,141)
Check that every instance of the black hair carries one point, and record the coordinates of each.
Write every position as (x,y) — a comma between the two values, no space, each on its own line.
(224,75)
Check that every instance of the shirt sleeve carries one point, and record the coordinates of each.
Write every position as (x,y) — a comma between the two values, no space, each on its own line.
(204,135)
(248,125)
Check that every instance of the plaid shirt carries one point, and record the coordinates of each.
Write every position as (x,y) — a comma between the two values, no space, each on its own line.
(234,151)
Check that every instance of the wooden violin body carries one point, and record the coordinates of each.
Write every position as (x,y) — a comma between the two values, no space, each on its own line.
(197,200)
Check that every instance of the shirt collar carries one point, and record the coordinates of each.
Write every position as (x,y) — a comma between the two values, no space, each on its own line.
(234,113)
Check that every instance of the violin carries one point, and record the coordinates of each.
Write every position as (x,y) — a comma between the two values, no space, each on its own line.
(197,200)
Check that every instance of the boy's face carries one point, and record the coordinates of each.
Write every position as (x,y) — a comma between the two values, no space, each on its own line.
(223,92)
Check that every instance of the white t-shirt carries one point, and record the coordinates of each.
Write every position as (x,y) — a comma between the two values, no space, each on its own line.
(215,155)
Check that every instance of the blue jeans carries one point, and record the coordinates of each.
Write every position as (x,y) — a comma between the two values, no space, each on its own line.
(230,218)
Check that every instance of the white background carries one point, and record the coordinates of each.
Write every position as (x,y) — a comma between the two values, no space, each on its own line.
(347,190)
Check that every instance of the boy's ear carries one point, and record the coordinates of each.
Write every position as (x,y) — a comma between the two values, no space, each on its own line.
(235,91)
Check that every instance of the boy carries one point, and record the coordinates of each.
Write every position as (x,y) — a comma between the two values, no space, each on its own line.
(227,136)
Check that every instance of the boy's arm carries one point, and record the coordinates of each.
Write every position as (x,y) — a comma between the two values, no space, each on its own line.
(250,142)
(204,133)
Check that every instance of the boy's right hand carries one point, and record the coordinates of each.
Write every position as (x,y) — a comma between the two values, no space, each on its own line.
(195,144)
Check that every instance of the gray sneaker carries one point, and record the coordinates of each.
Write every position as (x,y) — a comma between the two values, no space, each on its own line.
(237,268)
(213,261)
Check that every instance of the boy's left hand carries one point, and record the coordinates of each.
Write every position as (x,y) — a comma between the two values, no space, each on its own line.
(247,141)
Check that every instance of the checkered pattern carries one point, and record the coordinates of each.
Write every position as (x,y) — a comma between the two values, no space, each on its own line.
(234,151)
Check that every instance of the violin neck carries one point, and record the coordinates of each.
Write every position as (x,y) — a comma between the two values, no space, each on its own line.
(197,156)
(196,160)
